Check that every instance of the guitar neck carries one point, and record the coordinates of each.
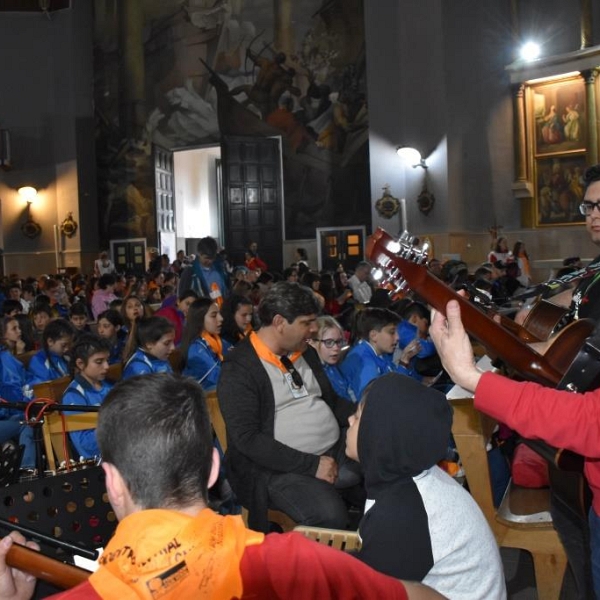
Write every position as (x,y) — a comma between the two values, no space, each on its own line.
(500,342)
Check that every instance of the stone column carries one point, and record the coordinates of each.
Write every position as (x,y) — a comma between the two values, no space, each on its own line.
(132,106)
(586,24)
(592,119)
(284,35)
(519,132)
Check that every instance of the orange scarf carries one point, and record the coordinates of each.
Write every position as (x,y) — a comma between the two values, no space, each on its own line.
(215,343)
(266,354)
(169,555)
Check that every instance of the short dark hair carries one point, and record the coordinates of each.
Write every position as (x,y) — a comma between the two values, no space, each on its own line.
(369,319)
(55,330)
(113,316)
(591,175)
(150,329)
(417,308)
(78,309)
(86,345)
(155,430)
(290,300)
(9,306)
(189,293)
(208,246)
(106,280)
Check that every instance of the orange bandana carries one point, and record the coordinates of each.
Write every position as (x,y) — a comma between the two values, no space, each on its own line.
(215,343)
(162,554)
(266,354)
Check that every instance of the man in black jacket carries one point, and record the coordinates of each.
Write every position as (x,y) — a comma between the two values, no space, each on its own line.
(284,421)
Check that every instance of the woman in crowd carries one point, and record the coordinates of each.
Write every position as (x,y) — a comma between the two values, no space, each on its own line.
(312,280)
(237,312)
(335,303)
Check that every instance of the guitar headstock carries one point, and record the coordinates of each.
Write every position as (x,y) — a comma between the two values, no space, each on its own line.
(388,254)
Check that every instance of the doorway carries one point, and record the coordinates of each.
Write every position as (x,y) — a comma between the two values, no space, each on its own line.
(197,196)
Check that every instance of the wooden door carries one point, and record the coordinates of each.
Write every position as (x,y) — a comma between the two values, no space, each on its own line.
(164,192)
(129,255)
(252,198)
(337,245)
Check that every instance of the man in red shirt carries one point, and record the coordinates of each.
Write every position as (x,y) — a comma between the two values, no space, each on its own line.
(158,458)
(560,418)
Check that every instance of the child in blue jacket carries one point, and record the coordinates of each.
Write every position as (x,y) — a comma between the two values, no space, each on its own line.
(51,361)
(377,335)
(90,360)
(202,347)
(110,328)
(14,385)
(329,344)
(156,341)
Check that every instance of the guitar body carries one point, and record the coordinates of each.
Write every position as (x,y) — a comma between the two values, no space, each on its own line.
(544,319)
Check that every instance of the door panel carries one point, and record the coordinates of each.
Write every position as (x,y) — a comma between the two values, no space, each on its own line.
(340,245)
(252,197)
(129,255)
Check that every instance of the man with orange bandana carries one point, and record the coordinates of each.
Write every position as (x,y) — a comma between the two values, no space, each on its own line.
(155,437)
(285,423)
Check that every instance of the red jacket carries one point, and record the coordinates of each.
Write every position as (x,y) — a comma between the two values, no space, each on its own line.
(562,419)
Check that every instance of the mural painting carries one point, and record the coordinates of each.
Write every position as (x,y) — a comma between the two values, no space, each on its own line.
(181,74)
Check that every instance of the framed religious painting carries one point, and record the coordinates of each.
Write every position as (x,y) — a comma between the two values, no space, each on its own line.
(559,116)
(559,188)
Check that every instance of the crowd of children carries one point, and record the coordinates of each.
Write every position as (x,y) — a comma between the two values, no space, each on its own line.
(378,350)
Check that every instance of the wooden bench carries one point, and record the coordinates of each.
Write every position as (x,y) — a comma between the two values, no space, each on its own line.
(52,390)
(523,519)
(340,539)
(115,372)
(56,429)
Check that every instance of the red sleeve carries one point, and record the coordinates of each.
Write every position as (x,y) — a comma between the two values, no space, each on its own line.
(84,591)
(292,567)
(560,418)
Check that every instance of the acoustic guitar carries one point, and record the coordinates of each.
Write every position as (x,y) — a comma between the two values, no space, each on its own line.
(403,265)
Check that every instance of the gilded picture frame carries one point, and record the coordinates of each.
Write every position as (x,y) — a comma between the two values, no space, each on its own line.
(559,189)
(559,116)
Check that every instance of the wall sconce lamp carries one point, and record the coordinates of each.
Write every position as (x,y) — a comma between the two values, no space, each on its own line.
(30,228)
(413,157)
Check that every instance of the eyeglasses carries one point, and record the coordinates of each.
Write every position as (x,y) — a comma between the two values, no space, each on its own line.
(587,207)
(329,343)
(291,369)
